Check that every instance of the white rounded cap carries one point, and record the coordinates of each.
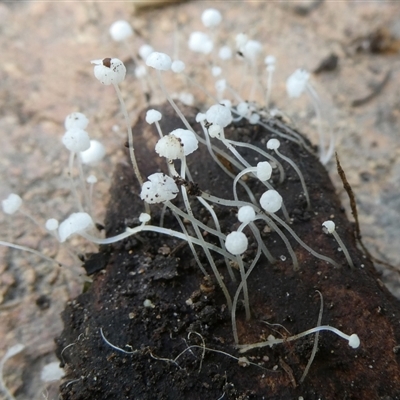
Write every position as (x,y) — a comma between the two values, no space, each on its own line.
(200,117)
(225,53)
(200,43)
(225,102)
(51,224)
(254,118)
(270,60)
(220,85)
(271,201)
(297,82)
(215,131)
(219,115)
(169,147)
(264,170)
(236,243)
(145,50)
(159,61)
(76,140)
(186,98)
(153,116)
(94,153)
(251,49)
(329,226)
(241,39)
(178,66)
(159,188)
(11,204)
(109,71)
(211,18)
(76,120)
(273,144)
(216,71)
(91,179)
(188,140)
(120,30)
(246,214)
(144,217)
(354,341)
(242,108)
(140,71)
(75,223)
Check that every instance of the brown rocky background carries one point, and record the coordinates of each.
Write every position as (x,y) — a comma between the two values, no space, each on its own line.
(45,74)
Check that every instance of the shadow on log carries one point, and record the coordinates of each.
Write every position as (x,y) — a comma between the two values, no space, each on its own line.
(181,345)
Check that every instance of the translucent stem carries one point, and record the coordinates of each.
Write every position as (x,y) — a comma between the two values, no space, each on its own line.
(344,249)
(296,168)
(151,228)
(236,297)
(71,180)
(130,135)
(29,250)
(272,342)
(308,248)
(172,102)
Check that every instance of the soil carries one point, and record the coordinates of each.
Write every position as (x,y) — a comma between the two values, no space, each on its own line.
(181,345)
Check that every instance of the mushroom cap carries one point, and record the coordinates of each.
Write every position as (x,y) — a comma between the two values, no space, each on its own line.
(11,204)
(153,116)
(211,18)
(264,170)
(200,42)
(188,140)
(109,71)
(297,82)
(52,224)
(329,226)
(145,50)
(76,140)
(271,201)
(94,153)
(273,144)
(75,223)
(236,243)
(120,30)
(246,214)
(178,66)
(170,147)
(159,188)
(159,61)
(76,120)
(225,53)
(354,341)
(219,115)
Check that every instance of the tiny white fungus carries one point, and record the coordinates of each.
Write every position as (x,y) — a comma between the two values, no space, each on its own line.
(76,120)
(159,61)
(200,42)
(109,71)
(220,115)
(236,243)
(297,82)
(271,201)
(76,140)
(11,204)
(178,66)
(153,116)
(211,18)
(94,154)
(264,170)
(246,214)
(75,223)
